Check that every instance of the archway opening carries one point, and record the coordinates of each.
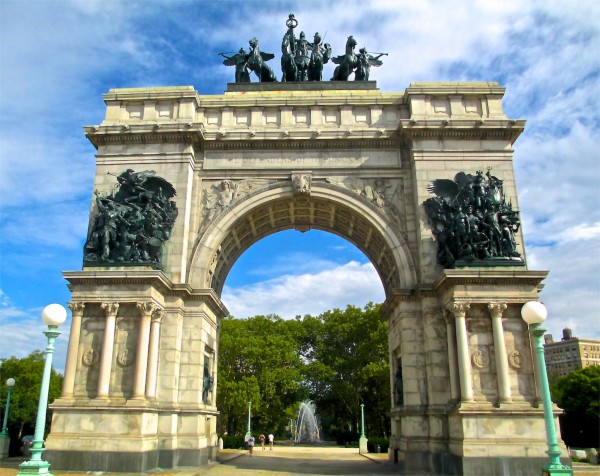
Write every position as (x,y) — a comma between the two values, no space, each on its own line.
(291,273)
(322,286)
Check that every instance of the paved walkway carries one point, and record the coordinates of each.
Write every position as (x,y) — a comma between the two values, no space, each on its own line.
(297,460)
(282,461)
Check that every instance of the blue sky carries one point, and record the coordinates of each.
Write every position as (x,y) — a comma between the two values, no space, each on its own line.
(58,58)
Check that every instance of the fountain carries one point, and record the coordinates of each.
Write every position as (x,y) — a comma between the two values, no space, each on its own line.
(307,427)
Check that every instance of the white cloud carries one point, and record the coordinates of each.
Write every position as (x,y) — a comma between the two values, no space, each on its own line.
(292,295)
(21,332)
(572,288)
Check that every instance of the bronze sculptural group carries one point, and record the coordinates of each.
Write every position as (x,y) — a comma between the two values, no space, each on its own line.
(472,222)
(131,225)
(302,60)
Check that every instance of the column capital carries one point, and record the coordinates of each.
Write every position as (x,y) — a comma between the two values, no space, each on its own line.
(147,308)
(157,314)
(110,308)
(459,309)
(496,308)
(76,307)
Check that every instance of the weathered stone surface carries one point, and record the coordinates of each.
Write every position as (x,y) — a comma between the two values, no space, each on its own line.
(365,158)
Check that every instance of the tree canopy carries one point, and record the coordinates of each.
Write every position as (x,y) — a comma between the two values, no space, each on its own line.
(24,399)
(578,395)
(579,391)
(338,360)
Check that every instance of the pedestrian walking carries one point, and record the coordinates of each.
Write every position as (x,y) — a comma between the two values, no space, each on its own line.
(251,444)
(271,438)
(262,441)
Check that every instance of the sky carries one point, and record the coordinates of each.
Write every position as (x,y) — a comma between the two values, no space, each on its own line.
(58,58)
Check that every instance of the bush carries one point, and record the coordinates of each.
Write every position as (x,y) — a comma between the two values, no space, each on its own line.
(383,443)
(345,437)
(235,442)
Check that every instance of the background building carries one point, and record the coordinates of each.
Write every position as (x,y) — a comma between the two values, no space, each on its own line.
(570,353)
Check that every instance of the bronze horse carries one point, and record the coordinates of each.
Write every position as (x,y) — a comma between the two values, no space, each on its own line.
(347,63)
(256,62)
(288,62)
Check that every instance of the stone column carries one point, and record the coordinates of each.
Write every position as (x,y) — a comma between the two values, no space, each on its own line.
(141,358)
(73,350)
(108,341)
(459,310)
(452,362)
(496,309)
(153,353)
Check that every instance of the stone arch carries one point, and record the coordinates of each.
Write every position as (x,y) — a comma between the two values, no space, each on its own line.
(276,208)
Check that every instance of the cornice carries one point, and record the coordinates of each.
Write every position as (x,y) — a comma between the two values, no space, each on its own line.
(455,88)
(458,277)
(156,93)
(242,139)
(105,278)
(415,129)
(145,133)
(294,144)
(298,138)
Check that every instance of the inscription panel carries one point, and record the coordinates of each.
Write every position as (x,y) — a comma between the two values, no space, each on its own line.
(306,160)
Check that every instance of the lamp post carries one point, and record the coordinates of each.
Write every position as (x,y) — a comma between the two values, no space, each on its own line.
(53,316)
(534,313)
(4,438)
(10,383)
(249,433)
(362,441)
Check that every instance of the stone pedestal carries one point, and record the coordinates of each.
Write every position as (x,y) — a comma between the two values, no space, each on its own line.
(135,421)
(362,445)
(4,445)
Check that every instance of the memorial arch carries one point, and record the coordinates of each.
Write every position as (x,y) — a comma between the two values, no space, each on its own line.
(187,182)
(324,207)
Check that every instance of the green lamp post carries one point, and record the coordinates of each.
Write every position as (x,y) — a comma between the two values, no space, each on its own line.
(4,438)
(249,432)
(534,313)
(10,383)
(362,441)
(53,316)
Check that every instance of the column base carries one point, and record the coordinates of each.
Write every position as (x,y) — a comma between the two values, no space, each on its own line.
(554,469)
(34,467)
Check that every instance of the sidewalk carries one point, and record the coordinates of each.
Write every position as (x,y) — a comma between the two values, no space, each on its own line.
(225,461)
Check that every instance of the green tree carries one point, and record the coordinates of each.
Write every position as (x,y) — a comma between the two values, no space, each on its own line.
(347,365)
(24,400)
(578,394)
(258,362)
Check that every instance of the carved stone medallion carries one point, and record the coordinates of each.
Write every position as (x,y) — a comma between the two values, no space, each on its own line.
(90,357)
(480,358)
(515,359)
(125,357)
